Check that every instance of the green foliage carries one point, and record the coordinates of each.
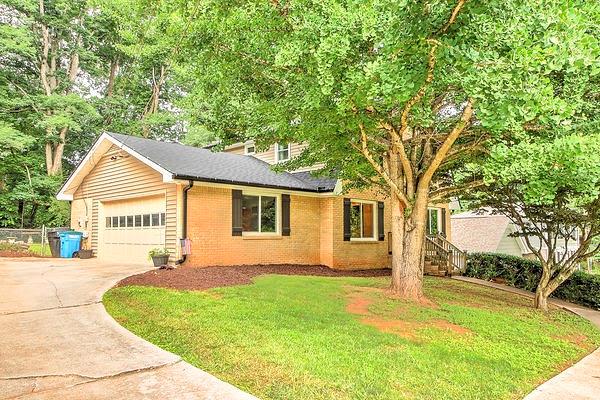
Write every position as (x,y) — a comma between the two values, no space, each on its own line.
(39,250)
(57,214)
(292,337)
(312,71)
(515,271)
(13,247)
(135,36)
(199,136)
(545,172)
(581,288)
(158,252)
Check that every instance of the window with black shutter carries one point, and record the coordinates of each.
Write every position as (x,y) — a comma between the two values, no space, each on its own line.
(285,215)
(236,213)
(380,219)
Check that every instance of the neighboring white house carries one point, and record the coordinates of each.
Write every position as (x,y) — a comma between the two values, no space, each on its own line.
(482,231)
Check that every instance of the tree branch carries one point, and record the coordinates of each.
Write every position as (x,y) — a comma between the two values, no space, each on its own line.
(453,16)
(445,192)
(364,150)
(442,152)
(399,149)
(421,92)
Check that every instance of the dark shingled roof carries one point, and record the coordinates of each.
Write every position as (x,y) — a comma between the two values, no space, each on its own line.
(187,162)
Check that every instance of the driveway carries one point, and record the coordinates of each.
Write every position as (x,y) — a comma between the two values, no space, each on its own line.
(58,342)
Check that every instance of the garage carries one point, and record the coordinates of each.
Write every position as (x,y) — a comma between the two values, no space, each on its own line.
(130,228)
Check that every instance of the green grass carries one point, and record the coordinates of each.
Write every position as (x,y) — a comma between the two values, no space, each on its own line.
(38,250)
(292,337)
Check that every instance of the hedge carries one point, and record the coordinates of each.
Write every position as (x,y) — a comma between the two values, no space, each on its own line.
(581,288)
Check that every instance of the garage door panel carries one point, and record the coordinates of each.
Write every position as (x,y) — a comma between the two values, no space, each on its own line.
(132,243)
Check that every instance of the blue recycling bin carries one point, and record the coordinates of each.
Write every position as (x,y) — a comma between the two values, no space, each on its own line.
(70,243)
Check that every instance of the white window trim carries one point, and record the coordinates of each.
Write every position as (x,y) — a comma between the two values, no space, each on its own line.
(375,227)
(439,219)
(133,227)
(277,213)
(248,153)
(289,149)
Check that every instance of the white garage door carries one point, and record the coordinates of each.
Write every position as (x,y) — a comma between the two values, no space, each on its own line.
(130,228)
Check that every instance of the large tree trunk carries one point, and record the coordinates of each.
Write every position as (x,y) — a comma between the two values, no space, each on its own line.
(541,299)
(407,252)
(541,293)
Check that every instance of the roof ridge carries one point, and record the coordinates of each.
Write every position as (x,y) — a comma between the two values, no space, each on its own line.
(191,162)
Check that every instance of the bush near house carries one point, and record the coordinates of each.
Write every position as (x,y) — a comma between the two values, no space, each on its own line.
(23,250)
(581,288)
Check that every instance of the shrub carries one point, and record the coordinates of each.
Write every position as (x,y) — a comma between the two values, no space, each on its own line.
(581,288)
(516,271)
(157,252)
(5,246)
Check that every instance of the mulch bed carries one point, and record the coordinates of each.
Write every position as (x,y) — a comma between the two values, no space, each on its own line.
(14,253)
(190,278)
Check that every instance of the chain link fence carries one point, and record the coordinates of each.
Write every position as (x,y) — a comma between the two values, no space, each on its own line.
(34,241)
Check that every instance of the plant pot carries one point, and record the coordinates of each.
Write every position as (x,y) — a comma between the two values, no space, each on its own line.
(160,260)
(85,254)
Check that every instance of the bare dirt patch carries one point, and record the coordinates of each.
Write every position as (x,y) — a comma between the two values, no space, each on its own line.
(359,305)
(578,340)
(191,278)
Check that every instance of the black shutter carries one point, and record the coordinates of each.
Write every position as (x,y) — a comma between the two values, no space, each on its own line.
(285,214)
(443,222)
(236,213)
(347,233)
(380,219)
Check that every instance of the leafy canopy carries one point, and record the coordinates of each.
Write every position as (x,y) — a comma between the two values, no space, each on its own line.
(312,71)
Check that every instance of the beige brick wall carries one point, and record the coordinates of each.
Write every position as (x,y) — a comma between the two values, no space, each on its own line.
(353,254)
(317,234)
(209,228)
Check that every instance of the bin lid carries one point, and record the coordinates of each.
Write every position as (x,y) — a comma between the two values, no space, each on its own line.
(70,234)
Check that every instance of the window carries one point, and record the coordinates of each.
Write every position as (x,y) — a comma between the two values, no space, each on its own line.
(249,149)
(362,220)
(122,221)
(433,221)
(259,214)
(115,222)
(163,220)
(138,221)
(155,219)
(130,221)
(108,222)
(146,220)
(282,152)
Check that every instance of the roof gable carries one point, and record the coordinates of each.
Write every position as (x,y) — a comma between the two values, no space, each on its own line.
(176,161)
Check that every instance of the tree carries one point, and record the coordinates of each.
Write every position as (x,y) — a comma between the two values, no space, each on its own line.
(551,190)
(405,95)
(68,70)
(141,45)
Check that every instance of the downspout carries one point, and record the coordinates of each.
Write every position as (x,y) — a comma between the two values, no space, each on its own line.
(184,222)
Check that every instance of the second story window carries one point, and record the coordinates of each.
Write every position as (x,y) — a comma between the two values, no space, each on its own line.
(249,149)
(282,152)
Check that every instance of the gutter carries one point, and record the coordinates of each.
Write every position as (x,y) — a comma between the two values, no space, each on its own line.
(184,222)
(250,184)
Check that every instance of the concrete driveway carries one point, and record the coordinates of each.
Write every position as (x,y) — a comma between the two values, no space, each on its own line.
(58,342)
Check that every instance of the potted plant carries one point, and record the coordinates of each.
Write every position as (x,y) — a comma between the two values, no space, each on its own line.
(85,252)
(159,256)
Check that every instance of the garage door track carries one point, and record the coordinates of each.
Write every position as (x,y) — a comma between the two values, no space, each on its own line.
(58,342)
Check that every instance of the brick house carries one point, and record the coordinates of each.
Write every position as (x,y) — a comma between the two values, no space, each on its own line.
(131,194)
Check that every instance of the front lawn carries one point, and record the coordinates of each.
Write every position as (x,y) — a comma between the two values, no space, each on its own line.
(303,337)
